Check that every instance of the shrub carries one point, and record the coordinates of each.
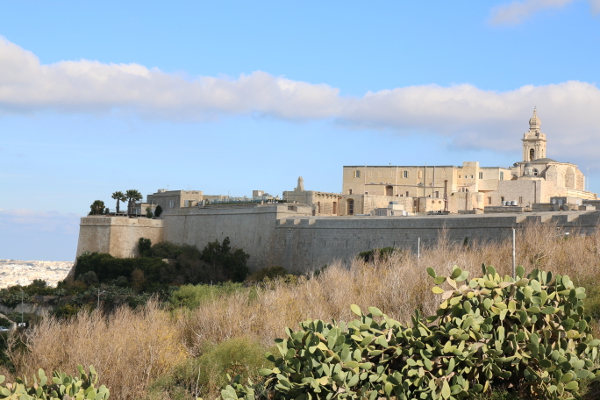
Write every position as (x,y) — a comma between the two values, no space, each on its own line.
(204,376)
(267,273)
(89,278)
(528,333)
(383,254)
(231,263)
(192,296)
(158,211)
(145,247)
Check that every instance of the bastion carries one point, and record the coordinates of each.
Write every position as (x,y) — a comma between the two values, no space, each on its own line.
(288,235)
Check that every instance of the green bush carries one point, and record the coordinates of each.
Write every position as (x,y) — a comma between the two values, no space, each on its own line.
(204,376)
(108,268)
(383,254)
(221,257)
(192,296)
(268,273)
(528,333)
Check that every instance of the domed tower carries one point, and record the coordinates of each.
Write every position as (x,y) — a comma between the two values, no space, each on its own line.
(534,141)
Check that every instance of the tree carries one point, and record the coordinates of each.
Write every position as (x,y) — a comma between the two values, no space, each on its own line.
(158,211)
(231,263)
(144,247)
(97,208)
(132,196)
(119,196)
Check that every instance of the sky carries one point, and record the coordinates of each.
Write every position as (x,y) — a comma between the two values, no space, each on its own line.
(230,96)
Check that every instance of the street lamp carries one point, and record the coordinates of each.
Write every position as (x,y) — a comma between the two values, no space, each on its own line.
(99,293)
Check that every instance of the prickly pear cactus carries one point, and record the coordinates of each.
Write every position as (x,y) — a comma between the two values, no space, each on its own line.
(60,386)
(529,332)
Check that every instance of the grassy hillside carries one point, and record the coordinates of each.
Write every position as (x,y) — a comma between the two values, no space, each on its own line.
(159,353)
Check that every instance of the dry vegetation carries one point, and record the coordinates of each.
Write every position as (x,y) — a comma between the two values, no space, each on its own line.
(130,349)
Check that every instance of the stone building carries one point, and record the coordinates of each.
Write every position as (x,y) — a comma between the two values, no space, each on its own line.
(321,203)
(467,188)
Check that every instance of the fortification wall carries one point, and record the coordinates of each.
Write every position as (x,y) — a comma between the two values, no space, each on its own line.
(286,235)
(250,228)
(310,243)
(117,236)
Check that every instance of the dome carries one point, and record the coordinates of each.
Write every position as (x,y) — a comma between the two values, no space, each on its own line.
(528,170)
(534,122)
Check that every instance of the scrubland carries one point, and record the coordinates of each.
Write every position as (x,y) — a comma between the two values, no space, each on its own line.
(155,352)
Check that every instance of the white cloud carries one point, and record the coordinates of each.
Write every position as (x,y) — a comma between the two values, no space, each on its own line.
(518,11)
(28,86)
(22,221)
(469,116)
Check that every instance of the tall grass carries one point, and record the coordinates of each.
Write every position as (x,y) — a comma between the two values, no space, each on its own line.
(130,349)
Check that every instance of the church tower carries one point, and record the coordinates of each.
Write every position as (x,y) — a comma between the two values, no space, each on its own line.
(534,141)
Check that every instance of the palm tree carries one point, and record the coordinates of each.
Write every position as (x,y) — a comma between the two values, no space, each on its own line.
(132,196)
(119,196)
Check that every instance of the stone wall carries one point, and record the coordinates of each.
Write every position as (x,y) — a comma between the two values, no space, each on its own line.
(309,243)
(287,235)
(249,227)
(117,236)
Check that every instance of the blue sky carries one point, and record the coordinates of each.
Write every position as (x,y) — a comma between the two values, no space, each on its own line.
(227,97)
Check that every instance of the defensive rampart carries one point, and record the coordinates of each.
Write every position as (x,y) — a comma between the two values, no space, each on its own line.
(312,242)
(285,235)
(117,236)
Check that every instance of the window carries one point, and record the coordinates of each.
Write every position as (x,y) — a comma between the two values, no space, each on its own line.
(471,176)
(171,203)
(459,177)
(334,208)
(501,175)
(520,200)
(481,175)
(350,207)
(407,193)
(405,174)
(349,191)
(366,192)
(437,194)
(389,191)
(420,175)
(531,154)
(489,201)
(502,198)
(357,174)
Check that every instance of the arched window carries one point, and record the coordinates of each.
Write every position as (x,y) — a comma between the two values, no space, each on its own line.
(389,190)
(531,154)
(350,206)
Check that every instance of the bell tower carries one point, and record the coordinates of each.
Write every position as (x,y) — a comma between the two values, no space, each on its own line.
(534,141)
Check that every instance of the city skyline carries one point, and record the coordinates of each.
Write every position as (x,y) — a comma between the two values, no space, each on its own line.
(231,97)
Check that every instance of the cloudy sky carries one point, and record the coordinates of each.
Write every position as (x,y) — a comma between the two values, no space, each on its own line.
(231,96)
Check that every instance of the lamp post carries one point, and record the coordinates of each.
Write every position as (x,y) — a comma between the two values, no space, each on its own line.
(99,293)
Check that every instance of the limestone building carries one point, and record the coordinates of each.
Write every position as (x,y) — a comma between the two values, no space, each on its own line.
(468,188)
(321,203)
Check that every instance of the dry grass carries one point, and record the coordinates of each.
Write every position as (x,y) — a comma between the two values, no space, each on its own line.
(130,349)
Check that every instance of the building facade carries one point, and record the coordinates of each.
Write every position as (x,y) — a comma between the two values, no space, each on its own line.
(466,188)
